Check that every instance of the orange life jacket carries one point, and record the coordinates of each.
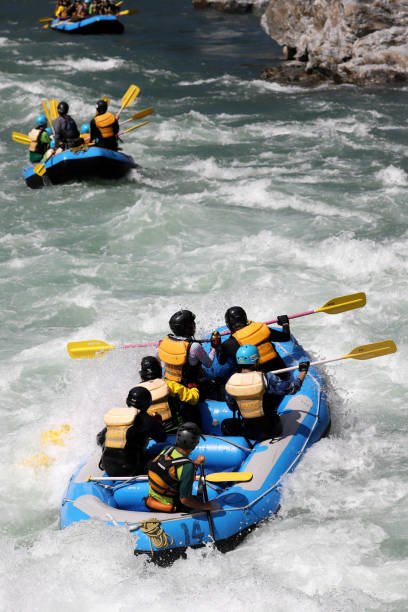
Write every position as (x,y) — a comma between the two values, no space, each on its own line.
(174,354)
(104,123)
(247,388)
(257,334)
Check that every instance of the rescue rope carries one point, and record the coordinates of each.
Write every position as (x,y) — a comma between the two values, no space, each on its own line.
(153,529)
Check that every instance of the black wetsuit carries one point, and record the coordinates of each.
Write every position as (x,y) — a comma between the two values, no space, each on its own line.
(131,460)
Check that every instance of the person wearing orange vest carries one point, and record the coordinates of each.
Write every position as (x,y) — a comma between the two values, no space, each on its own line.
(172,403)
(259,334)
(256,395)
(104,127)
(182,355)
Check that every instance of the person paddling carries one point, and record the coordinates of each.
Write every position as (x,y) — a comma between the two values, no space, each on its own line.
(256,395)
(104,127)
(40,140)
(66,133)
(171,475)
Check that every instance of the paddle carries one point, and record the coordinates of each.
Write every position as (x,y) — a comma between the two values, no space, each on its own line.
(365,351)
(214,477)
(40,169)
(21,138)
(53,109)
(129,97)
(48,115)
(205,495)
(46,19)
(89,348)
(133,128)
(128,12)
(140,115)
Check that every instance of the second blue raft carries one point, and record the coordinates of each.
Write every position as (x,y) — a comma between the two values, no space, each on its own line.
(92,162)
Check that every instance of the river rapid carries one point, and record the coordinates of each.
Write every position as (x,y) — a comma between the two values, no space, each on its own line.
(273,197)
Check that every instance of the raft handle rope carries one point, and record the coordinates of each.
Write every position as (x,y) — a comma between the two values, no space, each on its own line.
(157,536)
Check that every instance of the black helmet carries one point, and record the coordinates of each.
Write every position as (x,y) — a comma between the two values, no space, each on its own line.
(150,368)
(63,108)
(188,436)
(235,318)
(101,106)
(182,323)
(140,398)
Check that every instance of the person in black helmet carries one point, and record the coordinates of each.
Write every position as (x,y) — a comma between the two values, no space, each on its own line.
(104,127)
(172,402)
(258,334)
(182,356)
(127,433)
(66,133)
(171,475)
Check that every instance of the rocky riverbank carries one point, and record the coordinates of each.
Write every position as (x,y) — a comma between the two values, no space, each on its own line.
(364,42)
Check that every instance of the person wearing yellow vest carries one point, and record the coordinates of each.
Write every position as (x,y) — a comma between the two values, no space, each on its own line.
(104,127)
(259,334)
(40,140)
(126,435)
(171,475)
(253,393)
(172,402)
(182,356)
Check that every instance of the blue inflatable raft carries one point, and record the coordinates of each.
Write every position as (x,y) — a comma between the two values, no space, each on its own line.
(97,24)
(305,419)
(92,162)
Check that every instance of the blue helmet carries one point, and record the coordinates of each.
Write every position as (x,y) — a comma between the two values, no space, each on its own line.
(49,131)
(41,120)
(85,128)
(247,354)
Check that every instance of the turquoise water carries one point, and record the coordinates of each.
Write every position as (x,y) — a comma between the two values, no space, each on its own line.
(274,197)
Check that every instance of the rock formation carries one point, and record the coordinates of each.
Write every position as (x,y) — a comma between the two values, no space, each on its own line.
(348,41)
(352,41)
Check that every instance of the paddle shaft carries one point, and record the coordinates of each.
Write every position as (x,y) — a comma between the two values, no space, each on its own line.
(205,494)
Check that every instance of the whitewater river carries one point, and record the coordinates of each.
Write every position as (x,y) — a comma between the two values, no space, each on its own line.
(273,197)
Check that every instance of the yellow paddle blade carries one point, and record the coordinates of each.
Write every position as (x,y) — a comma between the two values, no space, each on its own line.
(21,138)
(45,19)
(46,26)
(129,12)
(135,127)
(140,115)
(130,96)
(39,460)
(46,111)
(343,303)
(88,349)
(376,349)
(53,108)
(40,169)
(53,436)
(229,477)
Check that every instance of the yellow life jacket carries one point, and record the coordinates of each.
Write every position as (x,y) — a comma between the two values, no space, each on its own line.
(34,136)
(257,334)
(104,123)
(247,388)
(173,353)
(118,421)
(160,393)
